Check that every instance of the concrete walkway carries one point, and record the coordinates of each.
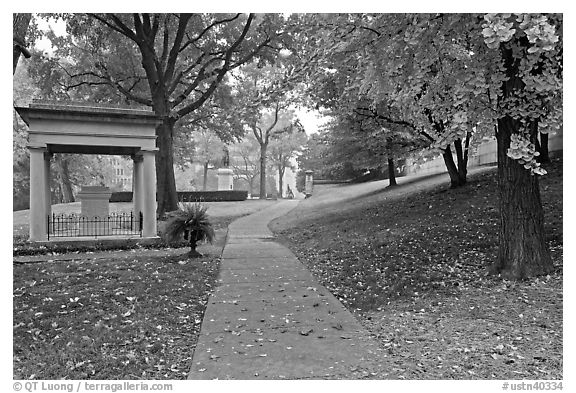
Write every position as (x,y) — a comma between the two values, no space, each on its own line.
(270,319)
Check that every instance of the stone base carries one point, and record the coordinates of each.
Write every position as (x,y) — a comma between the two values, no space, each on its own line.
(225,179)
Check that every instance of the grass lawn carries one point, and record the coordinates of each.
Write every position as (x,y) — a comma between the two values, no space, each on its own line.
(115,315)
(412,267)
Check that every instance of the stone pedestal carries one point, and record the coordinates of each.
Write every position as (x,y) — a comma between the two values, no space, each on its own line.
(309,183)
(225,179)
(95,208)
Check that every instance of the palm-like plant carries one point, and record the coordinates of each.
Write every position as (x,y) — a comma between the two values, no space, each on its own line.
(191,222)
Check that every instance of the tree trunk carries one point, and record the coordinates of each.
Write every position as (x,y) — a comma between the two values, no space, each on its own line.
(263,153)
(167,198)
(280,180)
(391,173)
(455,178)
(523,251)
(63,176)
(462,158)
(20,25)
(205,181)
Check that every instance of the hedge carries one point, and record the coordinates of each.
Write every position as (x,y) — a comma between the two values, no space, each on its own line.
(122,196)
(212,196)
(191,196)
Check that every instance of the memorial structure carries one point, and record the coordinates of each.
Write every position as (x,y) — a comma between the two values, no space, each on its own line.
(84,128)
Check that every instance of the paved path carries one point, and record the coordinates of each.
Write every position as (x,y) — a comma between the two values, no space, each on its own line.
(270,319)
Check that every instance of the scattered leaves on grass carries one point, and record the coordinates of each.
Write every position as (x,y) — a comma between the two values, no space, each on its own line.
(414,271)
(129,318)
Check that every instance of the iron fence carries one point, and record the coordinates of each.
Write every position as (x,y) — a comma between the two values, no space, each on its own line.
(76,225)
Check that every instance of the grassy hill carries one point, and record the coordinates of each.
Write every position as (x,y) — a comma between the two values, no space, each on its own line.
(412,263)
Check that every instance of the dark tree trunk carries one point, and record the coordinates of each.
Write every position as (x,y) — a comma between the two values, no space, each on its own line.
(263,154)
(205,181)
(456,180)
(166,183)
(20,25)
(63,177)
(281,170)
(523,251)
(391,173)
(462,158)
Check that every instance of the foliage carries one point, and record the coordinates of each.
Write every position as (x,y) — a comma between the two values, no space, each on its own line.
(209,148)
(267,93)
(454,78)
(173,63)
(283,149)
(528,47)
(244,160)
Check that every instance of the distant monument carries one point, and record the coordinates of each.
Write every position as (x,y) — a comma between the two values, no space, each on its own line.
(225,174)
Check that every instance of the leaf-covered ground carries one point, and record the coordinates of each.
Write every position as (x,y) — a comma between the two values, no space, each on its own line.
(414,271)
(134,317)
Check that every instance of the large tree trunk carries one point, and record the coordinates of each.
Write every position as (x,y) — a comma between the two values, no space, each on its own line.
(20,25)
(456,178)
(167,198)
(63,177)
(391,172)
(205,181)
(263,154)
(523,251)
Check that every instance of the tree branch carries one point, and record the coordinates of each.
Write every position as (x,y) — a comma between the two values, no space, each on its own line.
(191,41)
(119,26)
(182,23)
(195,105)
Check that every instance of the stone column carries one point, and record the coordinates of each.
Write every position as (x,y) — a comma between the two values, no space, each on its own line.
(149,193)
(309,183)
(48,193)
(137,180)
(38,213)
